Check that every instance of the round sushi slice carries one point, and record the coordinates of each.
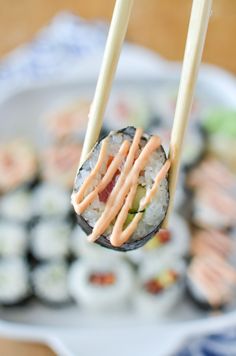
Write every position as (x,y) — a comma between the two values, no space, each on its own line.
(121,191)
(59,163)
(50,283)
(16,206)
(161,285)
(50,239)
(13,239)
(101,284)
(175,241)
(69,122)
(211,281)
(14,281)
(50,200)
(18,165)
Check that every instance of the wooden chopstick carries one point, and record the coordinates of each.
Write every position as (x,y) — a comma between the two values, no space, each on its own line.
(117,31)
(199,19)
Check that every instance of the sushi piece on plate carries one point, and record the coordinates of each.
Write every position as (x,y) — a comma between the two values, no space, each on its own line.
(161,285)
(127,109)
(59,163)
(16,206)
(50,200)
(13,239)
(18,165)
(50,239)
(101,284)
(121,191)
(207,242)
(175,241)
(14,281)
(80,247)
(69,122)
(50,283)
(211,281)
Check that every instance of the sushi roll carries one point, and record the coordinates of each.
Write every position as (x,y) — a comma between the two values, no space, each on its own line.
(211,281)
(50,239)
(50,200)
(161,285)
(80,247)
(69,122)
(13,239)
(101,284)
(50,283)
(175,241)
(14,282)
(59,163)
(121,191)
(18,165)
(16,206)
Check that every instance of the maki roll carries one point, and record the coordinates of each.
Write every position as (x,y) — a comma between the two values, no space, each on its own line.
(101,284)
(18,165)
(60,162)
(50,284)
(14,281)
(50,239)
(211,281)
(16,206)
(13,239)
(161,285)
(70,122)
(121,191)
(50,200)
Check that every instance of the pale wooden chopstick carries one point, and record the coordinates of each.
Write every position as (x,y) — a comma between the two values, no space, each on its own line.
(111,56)
(199,19)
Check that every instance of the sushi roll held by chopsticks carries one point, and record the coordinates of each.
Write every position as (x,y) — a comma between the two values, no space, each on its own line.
(121,191)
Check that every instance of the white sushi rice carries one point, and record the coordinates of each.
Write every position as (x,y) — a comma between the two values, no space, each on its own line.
(50,200)
(50,282)
(95,297)
(13,239)
(159,305)
(50,239)
(16,206)
(154,212)
(14,281)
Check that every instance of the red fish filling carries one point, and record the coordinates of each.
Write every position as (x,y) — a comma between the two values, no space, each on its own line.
(102,278)
(104,195)
(163,236)
(165,280)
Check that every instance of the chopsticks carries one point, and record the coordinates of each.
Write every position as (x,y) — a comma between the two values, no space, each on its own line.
(198,23)
(117,31)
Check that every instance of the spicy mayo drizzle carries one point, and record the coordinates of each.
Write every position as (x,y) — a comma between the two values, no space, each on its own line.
(121,197)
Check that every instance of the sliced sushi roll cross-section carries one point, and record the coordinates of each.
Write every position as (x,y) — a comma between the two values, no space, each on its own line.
(161,285)
(211,281)
(14,281)
(121,191)
(50,239)
(13,239)
(18,165)
(16,206)
(50,283)
(101,284)
(50,200)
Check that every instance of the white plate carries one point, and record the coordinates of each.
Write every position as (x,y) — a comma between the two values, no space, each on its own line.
(70,331)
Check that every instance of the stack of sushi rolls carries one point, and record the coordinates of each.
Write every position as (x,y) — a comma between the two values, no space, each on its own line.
(50,283)
(101,284)
(161,285)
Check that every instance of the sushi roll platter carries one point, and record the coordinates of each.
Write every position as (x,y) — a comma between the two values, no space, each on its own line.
(46,261)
